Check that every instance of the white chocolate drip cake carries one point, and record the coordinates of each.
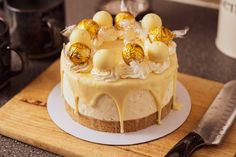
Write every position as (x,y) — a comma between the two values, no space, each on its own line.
(121,77)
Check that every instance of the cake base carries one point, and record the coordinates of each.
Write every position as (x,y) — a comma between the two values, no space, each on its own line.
(114,126)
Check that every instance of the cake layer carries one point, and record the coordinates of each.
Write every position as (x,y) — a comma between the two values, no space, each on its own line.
(138,104)
(114,126)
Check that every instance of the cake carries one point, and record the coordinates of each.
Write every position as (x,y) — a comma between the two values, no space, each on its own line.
(119,77)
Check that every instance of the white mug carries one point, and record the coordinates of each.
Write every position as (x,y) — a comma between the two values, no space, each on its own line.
(226,34)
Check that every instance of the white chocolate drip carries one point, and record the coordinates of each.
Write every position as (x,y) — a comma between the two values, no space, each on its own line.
(62,78)
(76,111)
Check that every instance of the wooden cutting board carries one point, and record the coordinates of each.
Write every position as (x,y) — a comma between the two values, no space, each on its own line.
(31,123)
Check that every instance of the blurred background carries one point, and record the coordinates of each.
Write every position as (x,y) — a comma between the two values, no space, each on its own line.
(197,52)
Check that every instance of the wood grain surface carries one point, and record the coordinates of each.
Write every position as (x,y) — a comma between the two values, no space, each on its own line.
(31,124)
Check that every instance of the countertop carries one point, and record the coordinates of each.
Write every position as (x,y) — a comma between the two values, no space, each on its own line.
(197,54)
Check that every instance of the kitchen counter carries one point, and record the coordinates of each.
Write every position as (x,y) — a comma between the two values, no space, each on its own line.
(197,55)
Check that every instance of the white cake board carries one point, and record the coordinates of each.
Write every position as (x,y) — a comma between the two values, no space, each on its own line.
(170,123)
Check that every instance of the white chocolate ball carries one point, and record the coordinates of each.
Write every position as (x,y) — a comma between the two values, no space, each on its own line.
(158,52)
(103,60)
(82,36)
(103,18)
(151,21)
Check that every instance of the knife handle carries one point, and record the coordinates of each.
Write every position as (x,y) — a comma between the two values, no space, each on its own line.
(186,146)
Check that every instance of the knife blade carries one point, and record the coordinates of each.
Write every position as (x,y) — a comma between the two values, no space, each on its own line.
(213,125)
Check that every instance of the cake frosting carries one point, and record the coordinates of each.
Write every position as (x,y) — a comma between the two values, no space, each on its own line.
(121,74)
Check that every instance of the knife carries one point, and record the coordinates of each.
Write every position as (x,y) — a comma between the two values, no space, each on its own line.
(213,126)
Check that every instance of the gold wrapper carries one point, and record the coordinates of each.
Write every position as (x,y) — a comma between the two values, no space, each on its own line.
(120,17)
(132,52)
(79,53)
(164,35)
(89,25)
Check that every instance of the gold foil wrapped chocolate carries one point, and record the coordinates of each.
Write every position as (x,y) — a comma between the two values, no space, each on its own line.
(89,25)
(123,17)
(164,35)
(132,52)
(79,53)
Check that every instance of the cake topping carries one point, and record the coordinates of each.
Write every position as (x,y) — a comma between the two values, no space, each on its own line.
(103,19)
(68,30)
(135,70)
(158,52)
(181,33)
(123,19)
(146,47)
(81,36)
(104,66)
(150,22)
(89,25)
(132,52)
(161,34)
(79,53)
(103,60)
(108,33)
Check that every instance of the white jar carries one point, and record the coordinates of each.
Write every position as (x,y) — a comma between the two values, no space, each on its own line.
(226,34)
